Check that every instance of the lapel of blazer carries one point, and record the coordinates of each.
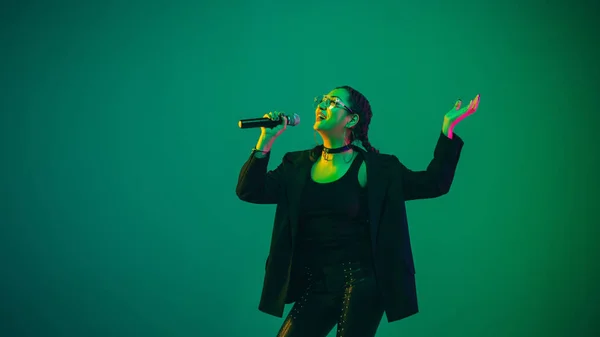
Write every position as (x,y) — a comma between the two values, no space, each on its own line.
(376,188)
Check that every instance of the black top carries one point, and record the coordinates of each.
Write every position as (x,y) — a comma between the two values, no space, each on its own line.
(333,221)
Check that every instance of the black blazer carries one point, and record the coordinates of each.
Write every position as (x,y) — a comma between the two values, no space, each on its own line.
(389,183)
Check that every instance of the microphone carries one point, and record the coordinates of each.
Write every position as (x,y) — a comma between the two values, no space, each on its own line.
(293,120)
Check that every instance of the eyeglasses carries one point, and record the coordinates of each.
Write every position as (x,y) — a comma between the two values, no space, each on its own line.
(330,102)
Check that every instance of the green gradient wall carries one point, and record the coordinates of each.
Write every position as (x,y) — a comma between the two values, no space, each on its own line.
(120,153)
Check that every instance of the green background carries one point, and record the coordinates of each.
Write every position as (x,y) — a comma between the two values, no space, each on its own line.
(120,155)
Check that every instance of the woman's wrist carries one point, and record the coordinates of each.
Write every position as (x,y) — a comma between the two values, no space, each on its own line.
(264,144)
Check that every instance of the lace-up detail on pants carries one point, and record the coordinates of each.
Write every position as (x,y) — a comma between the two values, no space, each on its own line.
(302,300)
(345,295)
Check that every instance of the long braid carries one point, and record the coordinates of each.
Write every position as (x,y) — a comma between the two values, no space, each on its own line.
(367,145)
(361,106)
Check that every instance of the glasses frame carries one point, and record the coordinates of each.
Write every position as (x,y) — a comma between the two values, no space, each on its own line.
(319,100)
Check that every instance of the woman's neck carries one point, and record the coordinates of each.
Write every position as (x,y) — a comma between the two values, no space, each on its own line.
(336,158)
(334,143)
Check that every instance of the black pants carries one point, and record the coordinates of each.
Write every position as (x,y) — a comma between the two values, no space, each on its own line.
(345,295)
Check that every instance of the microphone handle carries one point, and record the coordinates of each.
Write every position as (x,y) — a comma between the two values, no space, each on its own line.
(258,122)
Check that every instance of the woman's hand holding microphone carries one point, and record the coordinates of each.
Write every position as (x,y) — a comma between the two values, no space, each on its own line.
(268,135)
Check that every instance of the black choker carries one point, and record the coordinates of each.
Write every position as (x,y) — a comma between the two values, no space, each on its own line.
(337,150)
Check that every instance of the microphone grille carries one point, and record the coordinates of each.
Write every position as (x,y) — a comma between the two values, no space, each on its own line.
(293,120)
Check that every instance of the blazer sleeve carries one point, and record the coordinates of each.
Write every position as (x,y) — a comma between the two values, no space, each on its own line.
(436,180)
(257,185)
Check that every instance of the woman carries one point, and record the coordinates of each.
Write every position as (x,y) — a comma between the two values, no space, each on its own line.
(340,248)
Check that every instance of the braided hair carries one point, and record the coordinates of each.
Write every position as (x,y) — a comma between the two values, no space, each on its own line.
(360,105)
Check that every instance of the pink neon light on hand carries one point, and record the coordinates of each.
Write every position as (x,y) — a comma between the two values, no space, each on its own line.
(457,114)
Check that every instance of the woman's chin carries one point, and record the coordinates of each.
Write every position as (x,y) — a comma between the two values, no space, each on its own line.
(323,126)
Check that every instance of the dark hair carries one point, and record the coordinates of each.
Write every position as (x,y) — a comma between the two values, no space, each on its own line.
(360,105)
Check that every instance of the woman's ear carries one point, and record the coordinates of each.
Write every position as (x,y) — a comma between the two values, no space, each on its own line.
(353,121)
